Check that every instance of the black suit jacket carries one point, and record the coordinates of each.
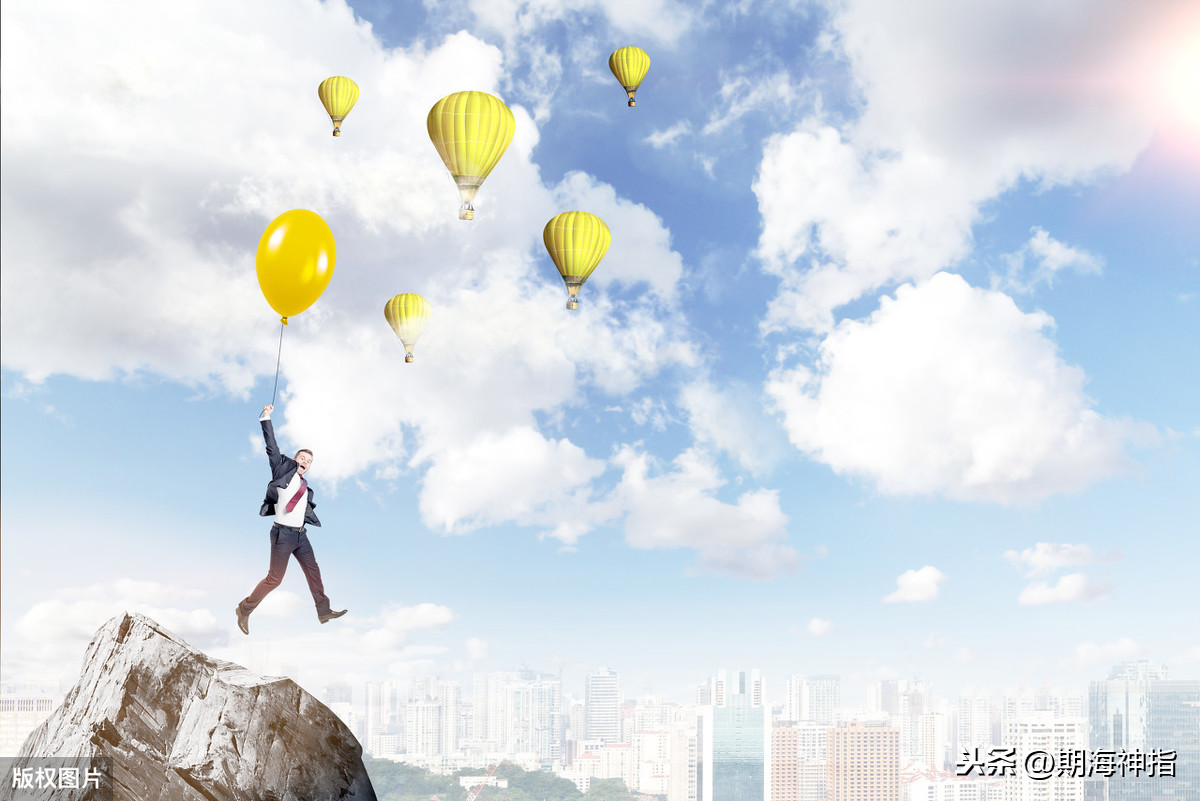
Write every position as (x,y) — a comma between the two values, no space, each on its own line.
(282,470)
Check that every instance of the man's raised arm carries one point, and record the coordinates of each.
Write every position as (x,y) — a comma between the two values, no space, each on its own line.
(273,454)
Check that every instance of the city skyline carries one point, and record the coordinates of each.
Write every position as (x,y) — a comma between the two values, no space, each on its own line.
(890,371)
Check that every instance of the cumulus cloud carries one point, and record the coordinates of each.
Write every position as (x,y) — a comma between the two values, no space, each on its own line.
(893,195)
(1071,587)
(731,419)
(819,628)
(52,636)
(917,585)
(1047,557)
(477,649)
(518,475)
(952,390)
(679,508)
(55,632)
(1040,260)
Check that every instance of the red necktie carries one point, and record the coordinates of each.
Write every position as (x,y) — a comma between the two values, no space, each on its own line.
(299,494)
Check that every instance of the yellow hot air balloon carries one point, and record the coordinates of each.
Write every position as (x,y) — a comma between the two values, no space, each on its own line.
(471,131)
(407,314)
(629,65)
(295,261)
(338,94)
(576,241)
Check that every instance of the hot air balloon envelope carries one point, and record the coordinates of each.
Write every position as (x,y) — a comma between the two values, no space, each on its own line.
(576,242)
(338,94)
(471,131)
(407,314)
(629,65)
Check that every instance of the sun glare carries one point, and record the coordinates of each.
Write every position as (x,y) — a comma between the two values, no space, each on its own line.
(1182,85)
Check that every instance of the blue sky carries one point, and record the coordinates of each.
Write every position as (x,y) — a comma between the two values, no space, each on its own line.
(890,371)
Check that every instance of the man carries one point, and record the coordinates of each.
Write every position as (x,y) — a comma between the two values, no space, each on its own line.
(285,493)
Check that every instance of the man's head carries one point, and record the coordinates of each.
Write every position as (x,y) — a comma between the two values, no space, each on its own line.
(304,458)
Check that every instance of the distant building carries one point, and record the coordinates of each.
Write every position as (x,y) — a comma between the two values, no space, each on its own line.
(734,734)
(602,700)
(974,728)
(863,763)
(785,762)
(1139,710)
(1045,733)
(20,714)
(812,698)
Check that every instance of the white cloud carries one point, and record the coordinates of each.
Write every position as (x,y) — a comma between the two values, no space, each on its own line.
(55,632)
(1049,257)
(679,509)
(669,136)
(390,629)
(518,475)
(1055,99)
(477,649)
(731,418)
(819,628)
(748,90)
(1071,587)
(952,390)
(52,636)
(1090,654)
(282,604)
(1047,557)
(658,20)
(934,641)
(963,655)
(917,585)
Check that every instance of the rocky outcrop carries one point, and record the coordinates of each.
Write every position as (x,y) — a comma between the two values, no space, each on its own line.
(179,725)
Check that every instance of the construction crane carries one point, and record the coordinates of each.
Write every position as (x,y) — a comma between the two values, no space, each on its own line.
(477,789)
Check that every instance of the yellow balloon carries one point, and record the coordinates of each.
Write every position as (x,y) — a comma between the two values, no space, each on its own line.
(295,261)
(471,131)
(338,94)
(629,65)
(407,314)
(576,242)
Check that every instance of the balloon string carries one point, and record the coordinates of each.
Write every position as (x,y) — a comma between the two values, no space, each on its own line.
(277,358)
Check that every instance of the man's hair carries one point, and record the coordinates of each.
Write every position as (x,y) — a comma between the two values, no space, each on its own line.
(303,450)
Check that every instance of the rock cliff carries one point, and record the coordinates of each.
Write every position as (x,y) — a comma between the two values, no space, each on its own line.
(179,725)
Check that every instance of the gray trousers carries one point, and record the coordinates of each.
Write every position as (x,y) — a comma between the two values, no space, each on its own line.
(287,541)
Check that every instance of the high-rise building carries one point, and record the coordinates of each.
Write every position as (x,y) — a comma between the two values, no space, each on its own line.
(423,734)
(812,698)
(1138,710)
(908,705)
(1045,733)
(514,713)
(974,723)
(684,756)
(602,699)
(785,762)
(862,762)
(735,741)
(1117,706)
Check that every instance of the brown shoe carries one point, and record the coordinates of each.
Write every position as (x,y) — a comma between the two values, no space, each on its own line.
(243,620)
(330,615)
